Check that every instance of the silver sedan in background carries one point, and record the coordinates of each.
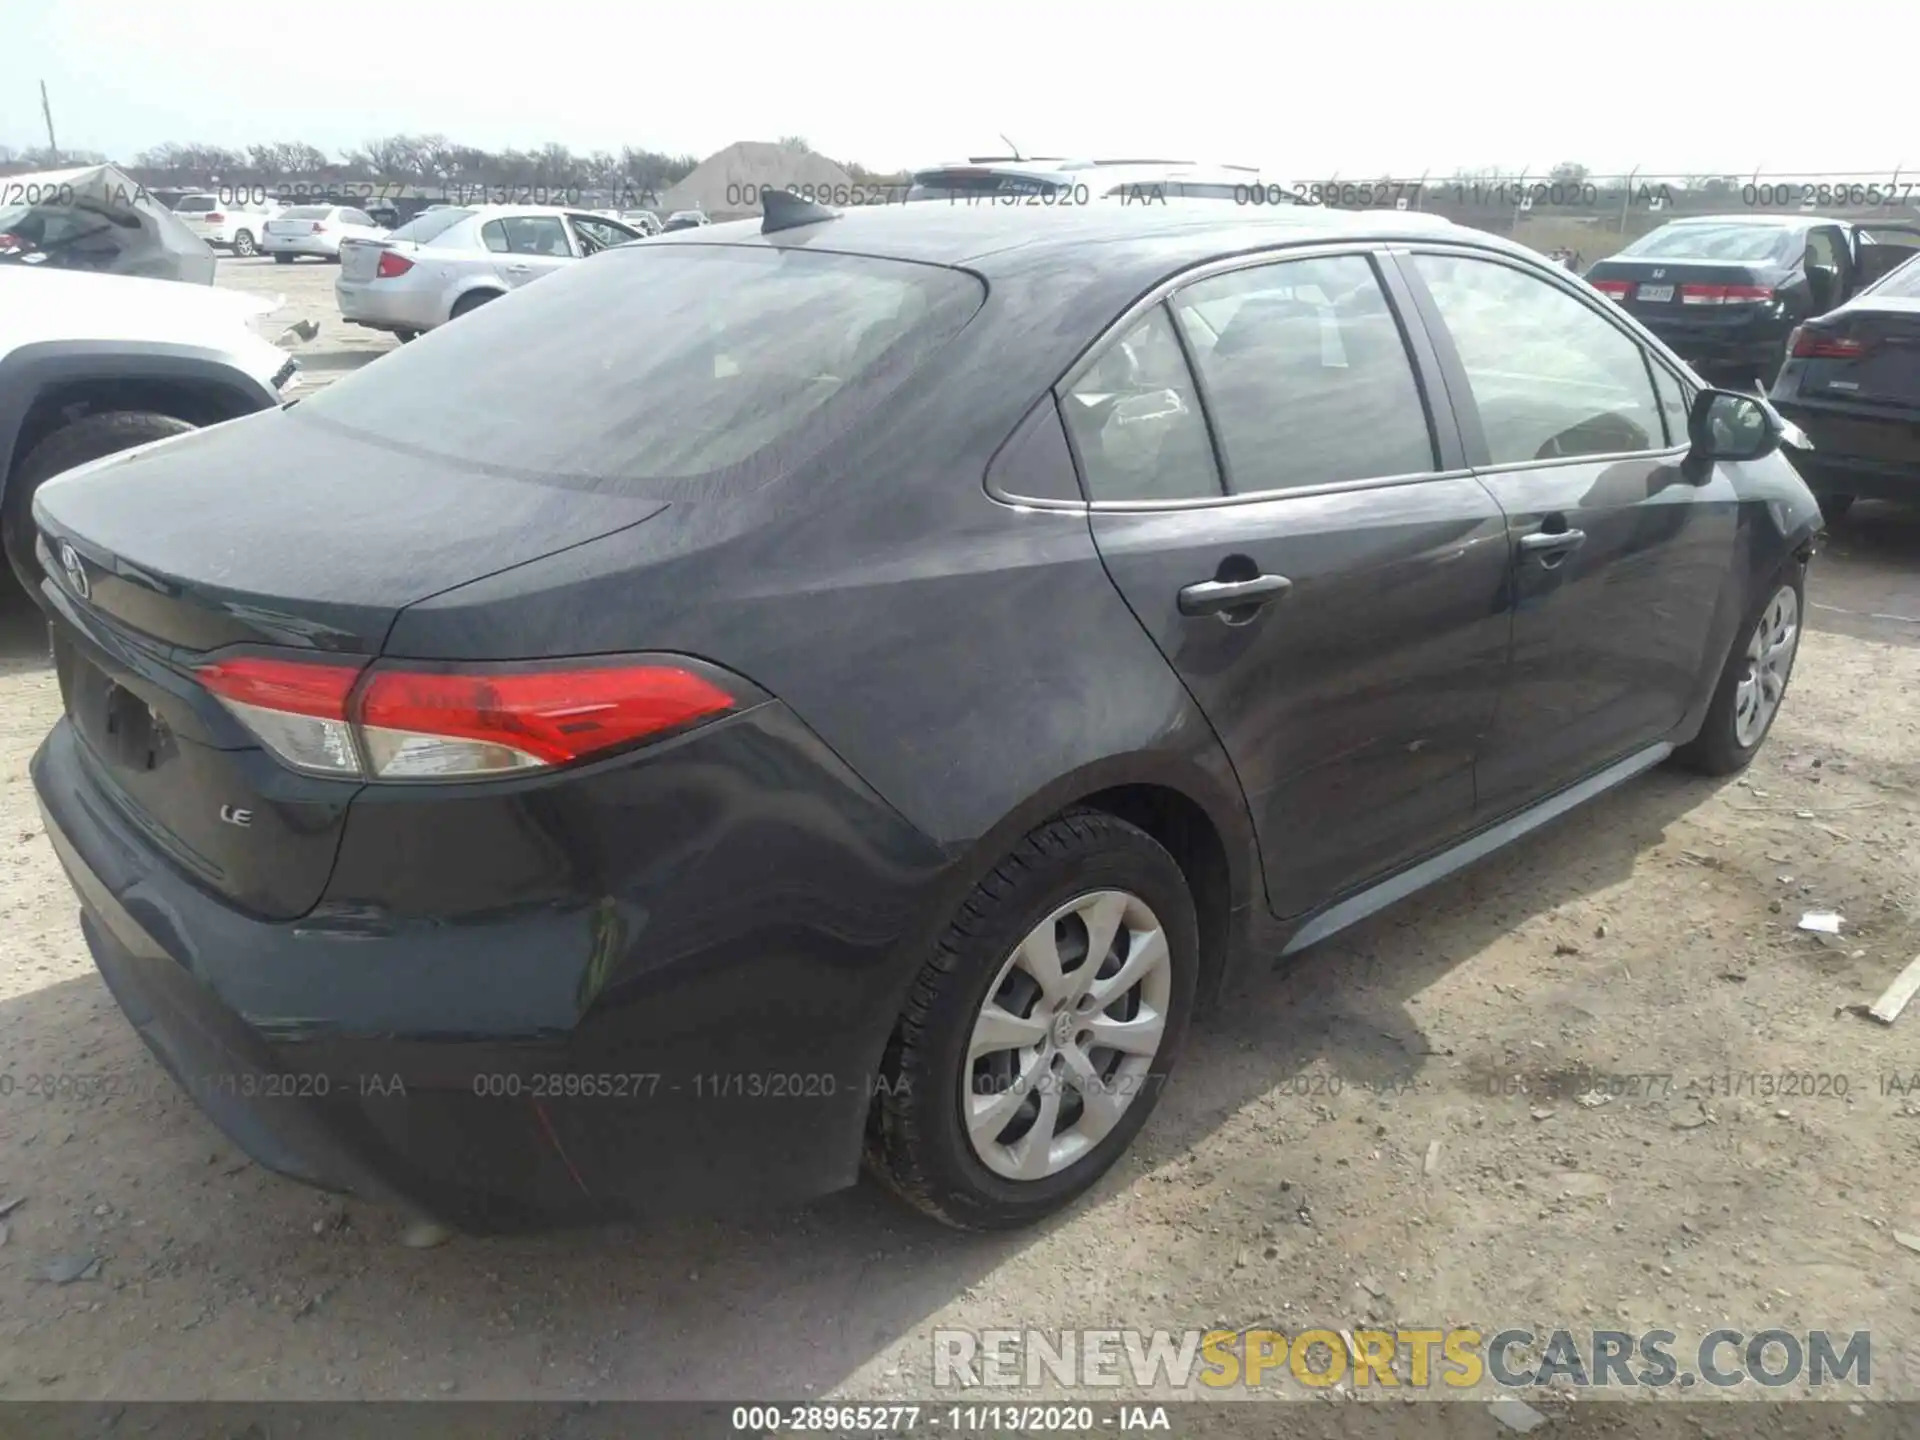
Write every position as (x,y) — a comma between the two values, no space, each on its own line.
(445,262)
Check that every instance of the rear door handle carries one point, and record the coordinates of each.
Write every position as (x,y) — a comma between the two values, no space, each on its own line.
(518,269)
(1548,542)
(1210,597)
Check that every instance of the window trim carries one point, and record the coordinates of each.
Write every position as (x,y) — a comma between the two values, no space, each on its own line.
(1442,421)
(1061,395)
(1479,457)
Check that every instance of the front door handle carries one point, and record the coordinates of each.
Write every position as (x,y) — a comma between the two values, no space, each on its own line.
(1211,597)
(1549,542)
(518,269)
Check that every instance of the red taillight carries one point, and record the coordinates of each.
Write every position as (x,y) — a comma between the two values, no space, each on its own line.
(456,723)
(1810,344)
(427,723)
(1614,289)
(319,228)
(1724,294)
(297,708)
(392,265)
(214,217)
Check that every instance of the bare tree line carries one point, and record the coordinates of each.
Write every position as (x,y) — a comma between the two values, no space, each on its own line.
(425,160)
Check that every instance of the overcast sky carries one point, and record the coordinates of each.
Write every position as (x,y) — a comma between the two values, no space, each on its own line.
(1359,89)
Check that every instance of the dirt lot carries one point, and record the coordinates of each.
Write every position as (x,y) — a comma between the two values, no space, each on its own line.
(1284,1179)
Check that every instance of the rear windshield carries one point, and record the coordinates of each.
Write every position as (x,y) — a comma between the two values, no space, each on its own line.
(1753,243)
(429,223)
(659,363)
(196,204)
(971,183)
(305,212)
(1902,284)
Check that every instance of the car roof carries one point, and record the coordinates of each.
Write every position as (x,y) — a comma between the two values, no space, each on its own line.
(1767,222)
(991,238)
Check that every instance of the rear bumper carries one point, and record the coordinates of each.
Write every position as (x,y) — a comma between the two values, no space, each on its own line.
(702,1034)
(301,245)
(1754,344)
(382,305)
(1876,458)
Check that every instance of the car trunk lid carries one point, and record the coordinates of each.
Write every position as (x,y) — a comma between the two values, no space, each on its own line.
(320,552)
(1870,355)
(360,259)
(1686,291)
(318,556)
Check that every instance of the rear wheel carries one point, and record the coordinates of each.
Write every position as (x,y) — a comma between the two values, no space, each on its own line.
(282,259)
(472,301)
(85,439)
(243,243)
(1034,1043)
(404,336)
(1753,682)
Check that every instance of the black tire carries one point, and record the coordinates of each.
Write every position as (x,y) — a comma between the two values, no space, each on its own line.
(406,337)
(1833,507)
(243,245)
(472,301)
(85,439)
(282,259)
(1717,749)
(917,1144)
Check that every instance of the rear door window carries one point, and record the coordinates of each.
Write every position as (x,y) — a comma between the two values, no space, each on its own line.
(659,364)
(1551,378)
(1306,376)
(357,217)
(1136,422)
(535,235)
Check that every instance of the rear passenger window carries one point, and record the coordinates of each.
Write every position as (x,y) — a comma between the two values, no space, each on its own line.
(1306,376)
(357,217)
(536,235)
(1551,378)
(1136,422)
(493,235)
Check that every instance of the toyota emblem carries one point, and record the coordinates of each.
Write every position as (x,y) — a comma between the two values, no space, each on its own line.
(76,571)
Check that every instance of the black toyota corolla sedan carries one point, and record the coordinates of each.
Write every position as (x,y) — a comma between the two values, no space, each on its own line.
(850,685)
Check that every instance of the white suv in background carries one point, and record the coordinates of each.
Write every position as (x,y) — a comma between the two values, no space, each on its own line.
(226,227)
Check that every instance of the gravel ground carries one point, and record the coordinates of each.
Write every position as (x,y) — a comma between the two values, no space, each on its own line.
(1290,1175)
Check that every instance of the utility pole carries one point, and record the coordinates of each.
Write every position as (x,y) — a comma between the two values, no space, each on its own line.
(46,109)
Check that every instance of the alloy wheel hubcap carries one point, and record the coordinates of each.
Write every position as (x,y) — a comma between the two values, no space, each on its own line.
(1064,1042)
(1769,661)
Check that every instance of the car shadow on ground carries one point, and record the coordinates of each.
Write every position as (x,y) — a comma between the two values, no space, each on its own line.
(23,631)
(692,1308)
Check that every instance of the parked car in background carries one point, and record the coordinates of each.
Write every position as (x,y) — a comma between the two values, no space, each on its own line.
(226,227)
(780,693)
(645,221)
(685,220)
(95,364)
(1852,382)
(316,231)
(1725,291)
(444,263)
(1010,181)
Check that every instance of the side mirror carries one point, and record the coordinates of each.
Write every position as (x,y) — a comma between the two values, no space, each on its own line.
(1726,425)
